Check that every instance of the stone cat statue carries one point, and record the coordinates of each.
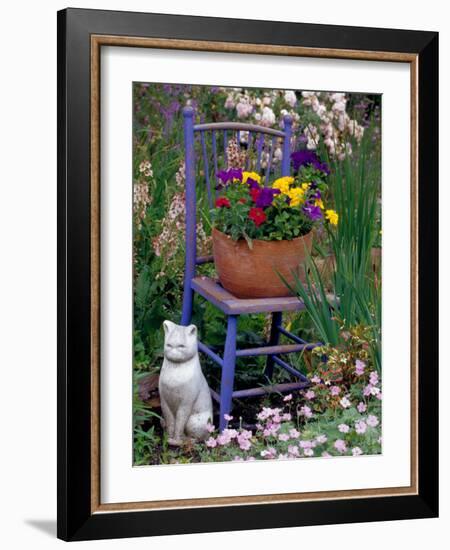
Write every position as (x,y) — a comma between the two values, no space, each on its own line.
(185,397)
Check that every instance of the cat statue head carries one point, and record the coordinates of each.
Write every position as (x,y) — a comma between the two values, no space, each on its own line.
(180,343)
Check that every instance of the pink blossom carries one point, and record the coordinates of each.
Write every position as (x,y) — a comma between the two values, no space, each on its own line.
(344,428)
(367,390)
(228,417)
(379,396)
(356,451)
(226,436)
(345,403)
(335,390)
(293,450)
(359,367)
(361,407)
(306,411)
(271,429)
(210,427)
(315,379)
(286,417)
(340,445)
(244,444)
(250,459)
(307,444)
(372,421)
(308,452)
(310,394)
(373,378)
(211,442)
(326,455)
(294,433)
(360,427)
(269,453)
(283,437)
(321,439)
(282,457)
(238,458)
(287,397)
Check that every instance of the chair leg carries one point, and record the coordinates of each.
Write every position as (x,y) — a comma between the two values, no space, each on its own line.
(188,299)
(229,362)
(273,341)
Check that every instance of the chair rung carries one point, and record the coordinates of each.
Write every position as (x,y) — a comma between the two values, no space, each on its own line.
(274,350)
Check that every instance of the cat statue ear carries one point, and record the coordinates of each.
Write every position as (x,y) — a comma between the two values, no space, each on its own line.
(184,393)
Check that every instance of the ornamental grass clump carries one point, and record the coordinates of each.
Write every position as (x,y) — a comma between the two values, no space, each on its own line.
(289,207)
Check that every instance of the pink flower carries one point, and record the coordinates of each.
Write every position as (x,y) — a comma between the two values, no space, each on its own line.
(306,411)
(356,451)
(283,437)
(373,378)
(344,428)
(360,427)
(293,450)
(227,417)
(361,407)
(287,397)
(282,457)
(372,421)
(307,444)
(315,379)
(379,396)
(340,445)
(335,390)
(286,417)
(271,429)
(359,367)
(321,439)
(308,452)
(345,403)
(310,394)
(210,427)
(226,436)
(367,390)
(244,444)
(237,458)
(326,455)
(211,442)
(269,453)
(293,433)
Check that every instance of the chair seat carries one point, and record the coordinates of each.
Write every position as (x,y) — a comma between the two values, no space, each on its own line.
(212,291)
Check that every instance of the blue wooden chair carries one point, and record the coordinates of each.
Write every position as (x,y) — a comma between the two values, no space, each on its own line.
(214,138)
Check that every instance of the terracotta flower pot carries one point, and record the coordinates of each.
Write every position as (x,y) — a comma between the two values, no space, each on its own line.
(254,273)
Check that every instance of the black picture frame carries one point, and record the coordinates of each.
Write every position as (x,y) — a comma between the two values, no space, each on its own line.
(76,521)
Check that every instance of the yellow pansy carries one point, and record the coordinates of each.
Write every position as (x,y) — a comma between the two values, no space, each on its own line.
(283,184)
(332,217)
(305,186)
(251,175)
(296,195)
(319,203)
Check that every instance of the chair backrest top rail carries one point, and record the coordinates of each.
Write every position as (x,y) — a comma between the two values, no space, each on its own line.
(238,126)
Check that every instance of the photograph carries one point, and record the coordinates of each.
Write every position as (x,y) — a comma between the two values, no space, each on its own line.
(257,281)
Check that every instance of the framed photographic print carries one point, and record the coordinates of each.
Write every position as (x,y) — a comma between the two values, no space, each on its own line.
(248,295)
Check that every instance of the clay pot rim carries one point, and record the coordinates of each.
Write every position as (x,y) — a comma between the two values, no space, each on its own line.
(242,240)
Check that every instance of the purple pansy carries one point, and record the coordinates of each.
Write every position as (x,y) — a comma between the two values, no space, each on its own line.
(313,212)
(305,157)
(265,197)
(230,175)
